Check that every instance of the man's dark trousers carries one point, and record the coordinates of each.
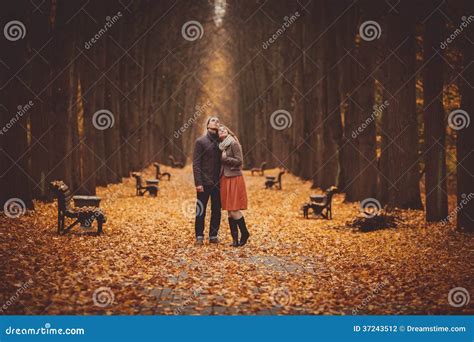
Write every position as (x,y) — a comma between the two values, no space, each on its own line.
(213,192)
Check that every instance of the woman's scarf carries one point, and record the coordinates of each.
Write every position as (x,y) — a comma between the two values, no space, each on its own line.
(226,142)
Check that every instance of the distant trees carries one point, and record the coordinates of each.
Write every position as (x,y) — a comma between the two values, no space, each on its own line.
(342,93)
(108,81)
(350,74)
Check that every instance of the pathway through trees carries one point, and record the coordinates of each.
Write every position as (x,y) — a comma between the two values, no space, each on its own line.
(146,261)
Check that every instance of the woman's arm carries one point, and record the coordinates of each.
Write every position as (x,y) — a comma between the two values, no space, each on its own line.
(237,159)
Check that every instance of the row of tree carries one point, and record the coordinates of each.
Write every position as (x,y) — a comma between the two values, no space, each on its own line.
(351,93)
(92,90)
(361,90)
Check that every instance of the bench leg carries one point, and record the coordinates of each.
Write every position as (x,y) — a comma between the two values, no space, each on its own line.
(305,212)
(99,226)
(60,224)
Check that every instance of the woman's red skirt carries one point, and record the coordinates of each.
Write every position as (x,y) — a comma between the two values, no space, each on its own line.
(233,193)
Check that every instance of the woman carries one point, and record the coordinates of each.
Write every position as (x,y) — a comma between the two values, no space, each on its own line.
(232,184)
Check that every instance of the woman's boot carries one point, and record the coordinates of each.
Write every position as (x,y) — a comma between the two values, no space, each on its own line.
(234,232)
(244,233)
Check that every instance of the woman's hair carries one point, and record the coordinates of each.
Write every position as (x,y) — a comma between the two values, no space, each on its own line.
(232,134)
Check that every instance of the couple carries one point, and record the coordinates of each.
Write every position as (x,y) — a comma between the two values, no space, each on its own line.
(217,169)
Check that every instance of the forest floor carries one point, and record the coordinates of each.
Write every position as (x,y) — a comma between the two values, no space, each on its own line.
(146,261)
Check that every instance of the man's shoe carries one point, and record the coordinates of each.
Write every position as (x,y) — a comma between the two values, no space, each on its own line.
(213,239)
(199,241)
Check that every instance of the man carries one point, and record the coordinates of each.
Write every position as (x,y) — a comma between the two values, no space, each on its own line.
(206,170)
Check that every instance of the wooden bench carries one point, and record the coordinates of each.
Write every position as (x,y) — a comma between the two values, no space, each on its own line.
(85,210)
(259,170)
(175,164)
(320,204)
(274,181)
(151,185)
(160,175)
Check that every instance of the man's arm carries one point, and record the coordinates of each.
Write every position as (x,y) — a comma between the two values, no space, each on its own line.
(197,157)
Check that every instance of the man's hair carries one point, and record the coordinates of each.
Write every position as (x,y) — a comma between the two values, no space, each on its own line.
(209,119)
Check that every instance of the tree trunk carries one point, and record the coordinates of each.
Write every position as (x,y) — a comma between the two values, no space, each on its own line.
(361,121)
(399,122)
(332,127)
(435,123)
(40,118)
(63,60)
(465,141)
(14,170)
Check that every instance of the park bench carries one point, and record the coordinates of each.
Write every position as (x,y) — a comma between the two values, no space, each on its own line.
(151,185)
(259,170)
(274,181)
(85,210)
(160,175)
(175,164)
(320,204)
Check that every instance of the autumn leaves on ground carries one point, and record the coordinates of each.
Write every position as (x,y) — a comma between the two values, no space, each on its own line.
(146,261)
